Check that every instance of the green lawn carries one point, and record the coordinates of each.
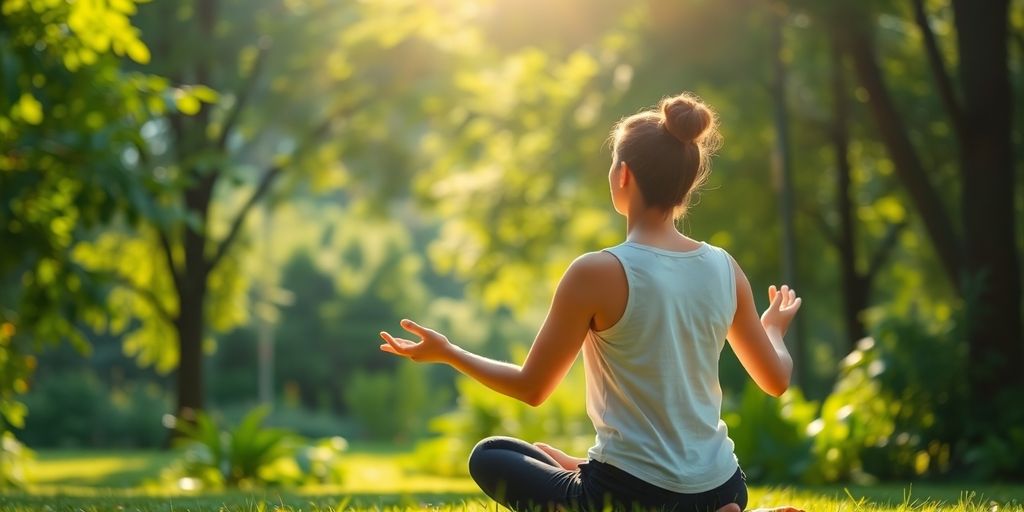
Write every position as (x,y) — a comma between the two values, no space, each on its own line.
(113,481)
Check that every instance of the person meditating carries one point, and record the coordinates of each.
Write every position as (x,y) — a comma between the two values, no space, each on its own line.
(651,315)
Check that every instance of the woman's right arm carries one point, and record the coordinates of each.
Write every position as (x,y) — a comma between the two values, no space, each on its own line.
(757,342)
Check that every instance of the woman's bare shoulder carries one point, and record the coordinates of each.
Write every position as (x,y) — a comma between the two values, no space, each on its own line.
(596,264)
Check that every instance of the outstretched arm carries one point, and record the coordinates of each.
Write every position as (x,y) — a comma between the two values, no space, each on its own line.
(758,342)
(550,357)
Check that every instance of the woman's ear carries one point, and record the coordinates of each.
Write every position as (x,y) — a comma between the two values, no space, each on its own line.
(626,176)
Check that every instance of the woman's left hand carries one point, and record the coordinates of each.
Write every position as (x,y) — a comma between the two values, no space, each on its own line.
(433,346)
(568,462)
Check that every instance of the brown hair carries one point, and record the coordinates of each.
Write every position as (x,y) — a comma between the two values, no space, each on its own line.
(668,149)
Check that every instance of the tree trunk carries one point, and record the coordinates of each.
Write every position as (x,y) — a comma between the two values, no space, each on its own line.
(192,295)
(991,277)
(782,166)
(854,285)
(893,132)
(192,299)
(190,344)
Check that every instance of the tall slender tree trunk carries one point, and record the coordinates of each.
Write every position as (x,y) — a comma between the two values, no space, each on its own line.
(893,132)
(192,300)
(782,166)
(192,292)
(991,276)
(853,283)
(190,344)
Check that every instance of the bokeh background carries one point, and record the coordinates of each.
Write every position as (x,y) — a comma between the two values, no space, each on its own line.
(209,208)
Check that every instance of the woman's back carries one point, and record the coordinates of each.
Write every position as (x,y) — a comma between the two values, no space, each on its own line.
(652,378)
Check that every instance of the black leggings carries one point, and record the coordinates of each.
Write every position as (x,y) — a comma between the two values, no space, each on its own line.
(522,477)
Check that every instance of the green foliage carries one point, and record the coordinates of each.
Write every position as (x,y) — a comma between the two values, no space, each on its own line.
(246,456)
(75,409)
(14,459)
(520,131)
(67,111)
(393,405)
(319,462)
(349,283)
(770,434)
(936,427)
(856,417)
(496,122)
(480,412)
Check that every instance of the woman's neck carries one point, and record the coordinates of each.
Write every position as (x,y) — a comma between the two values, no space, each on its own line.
(650,226)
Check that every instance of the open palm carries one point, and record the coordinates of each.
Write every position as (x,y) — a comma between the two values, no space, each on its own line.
(433,346)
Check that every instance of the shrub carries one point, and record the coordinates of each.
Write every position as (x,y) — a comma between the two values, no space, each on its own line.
(480,412)
(393,406)
(770,433)
(75,409)
(65,410)
(251,455)
(233,458)
(856,418)
(13,459)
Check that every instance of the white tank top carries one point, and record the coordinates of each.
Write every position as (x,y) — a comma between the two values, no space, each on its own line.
(652,378)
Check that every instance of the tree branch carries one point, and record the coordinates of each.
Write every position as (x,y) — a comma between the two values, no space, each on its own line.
(147,294)
(263,47)
(269,176)
(165,244)
(883,251)
(826,230)
(893,133)
(939,72)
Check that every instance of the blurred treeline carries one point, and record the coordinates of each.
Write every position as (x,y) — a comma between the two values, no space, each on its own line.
(208,204)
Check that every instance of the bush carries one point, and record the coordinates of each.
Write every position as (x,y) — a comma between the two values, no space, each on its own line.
(76,409)
(920,366)
(13,459)
(251,455)
(393,406)
(242,457)
(856,419)
(770,433)
(64,410)
(298,419)
(480,412)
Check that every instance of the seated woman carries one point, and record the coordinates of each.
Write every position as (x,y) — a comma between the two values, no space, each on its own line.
(651,315)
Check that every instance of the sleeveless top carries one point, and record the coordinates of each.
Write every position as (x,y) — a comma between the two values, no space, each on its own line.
(652,378)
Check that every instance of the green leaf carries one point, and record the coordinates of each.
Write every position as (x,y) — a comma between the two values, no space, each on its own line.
(204,93)
(138,52)
(186,103)
(29,108)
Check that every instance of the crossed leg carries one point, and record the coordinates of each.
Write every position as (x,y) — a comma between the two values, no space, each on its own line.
(520,476)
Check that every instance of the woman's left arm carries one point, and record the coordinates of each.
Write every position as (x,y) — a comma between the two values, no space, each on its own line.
(551,355)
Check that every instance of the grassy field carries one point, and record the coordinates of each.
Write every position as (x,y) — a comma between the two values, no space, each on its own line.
(114,481)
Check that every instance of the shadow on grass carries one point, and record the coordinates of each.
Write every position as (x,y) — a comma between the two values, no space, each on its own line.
(241,501)
(117,470)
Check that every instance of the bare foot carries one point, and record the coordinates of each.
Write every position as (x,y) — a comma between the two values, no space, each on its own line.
(732,507)
(776,509)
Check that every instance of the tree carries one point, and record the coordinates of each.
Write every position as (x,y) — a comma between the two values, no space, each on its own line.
(238,132)
(980,255)
(66,112)
(856,280)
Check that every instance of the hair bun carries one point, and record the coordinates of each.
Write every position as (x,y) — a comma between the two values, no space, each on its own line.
(686,118)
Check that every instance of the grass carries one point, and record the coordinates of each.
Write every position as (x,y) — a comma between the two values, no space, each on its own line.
(83,481)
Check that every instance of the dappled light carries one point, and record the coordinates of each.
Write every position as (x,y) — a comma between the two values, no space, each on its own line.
(218,217)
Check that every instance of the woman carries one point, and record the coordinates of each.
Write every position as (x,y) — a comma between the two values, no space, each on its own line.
(651,316)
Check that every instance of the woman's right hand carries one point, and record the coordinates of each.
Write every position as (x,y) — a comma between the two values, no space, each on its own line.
(433,346)
(784,305)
